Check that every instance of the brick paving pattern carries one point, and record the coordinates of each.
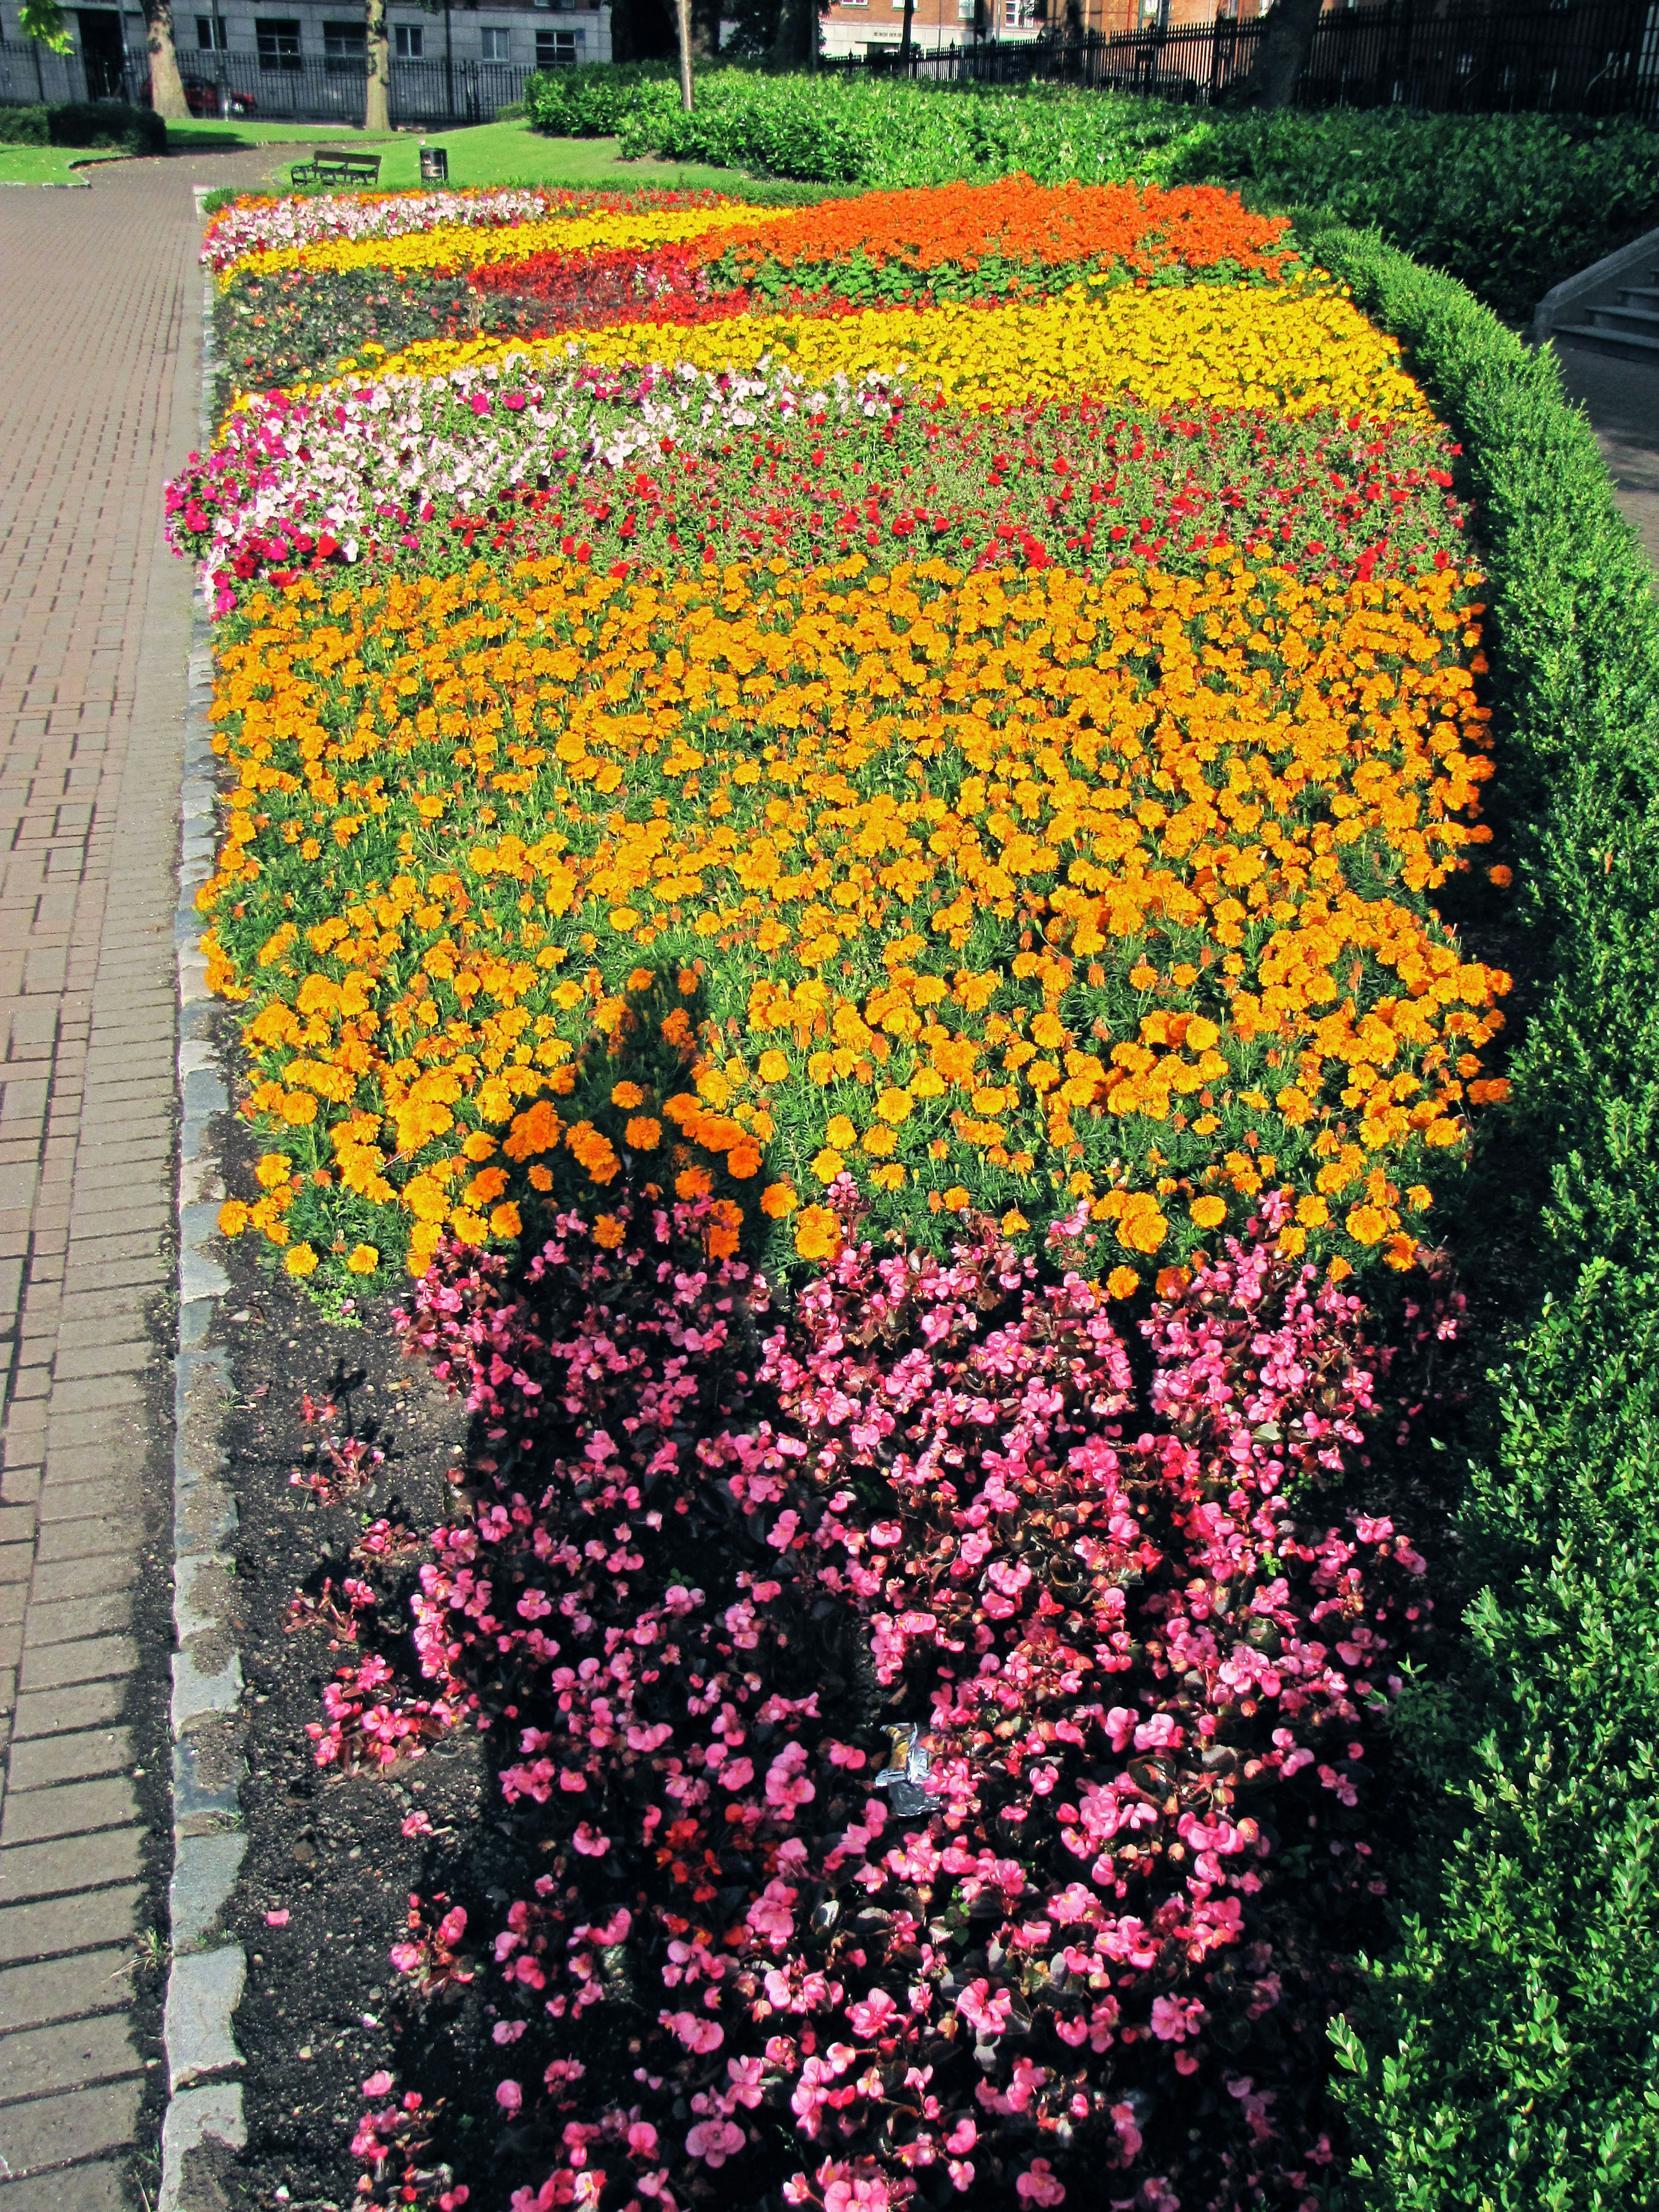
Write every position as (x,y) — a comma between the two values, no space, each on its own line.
(99,353)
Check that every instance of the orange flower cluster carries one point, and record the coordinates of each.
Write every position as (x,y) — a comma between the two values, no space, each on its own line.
(998,884)
(1141,228)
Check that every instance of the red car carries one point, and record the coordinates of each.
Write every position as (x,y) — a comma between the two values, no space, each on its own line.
(203,99)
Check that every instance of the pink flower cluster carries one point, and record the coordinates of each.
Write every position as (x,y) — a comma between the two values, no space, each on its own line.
(1129,1662)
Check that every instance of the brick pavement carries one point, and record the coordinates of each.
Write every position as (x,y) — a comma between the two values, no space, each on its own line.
(100,347)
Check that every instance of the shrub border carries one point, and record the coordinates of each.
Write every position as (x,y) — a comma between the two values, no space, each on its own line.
(1503,2054)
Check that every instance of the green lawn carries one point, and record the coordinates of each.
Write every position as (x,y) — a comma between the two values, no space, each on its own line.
(48,165)
(485,154)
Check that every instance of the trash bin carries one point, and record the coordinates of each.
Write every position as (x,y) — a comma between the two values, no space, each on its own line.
(434,165)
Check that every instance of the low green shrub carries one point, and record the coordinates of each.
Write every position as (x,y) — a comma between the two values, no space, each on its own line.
(85,123)
(1506,2053)
(1509,203)
(23,126)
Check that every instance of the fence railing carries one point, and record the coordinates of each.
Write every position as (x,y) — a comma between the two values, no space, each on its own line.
(31,74)
(440,92)
(291,88)
(1596,58)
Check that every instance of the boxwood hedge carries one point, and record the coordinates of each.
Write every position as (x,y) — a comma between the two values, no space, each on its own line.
(1506,2054)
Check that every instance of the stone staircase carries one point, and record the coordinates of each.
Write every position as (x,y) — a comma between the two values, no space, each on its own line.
(1628,326)
(1613,308)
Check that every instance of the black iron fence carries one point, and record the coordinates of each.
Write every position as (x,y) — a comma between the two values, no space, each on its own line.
(441,92)
(32,76)
(1592,57)
(284,88)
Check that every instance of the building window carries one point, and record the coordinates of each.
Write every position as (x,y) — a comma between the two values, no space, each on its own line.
(345,45)
(278,41)
(497,45)
(210,34)
(558,49)
(411,42)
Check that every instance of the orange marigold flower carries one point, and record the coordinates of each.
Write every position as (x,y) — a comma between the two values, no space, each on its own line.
(1501,877)
(299,1109)
(817,1233)
(894,1105)
(233,1218)
(773,1068)
(1013,1222)
(300,1260)
(1365,1225)
(1123,1283)
(1208,1212)
(642,1134)
(1400,1250)
(608,1232)
(504,1222)
(778,1199)
(274,1168)
(362,1259)
(956,1200)
(693,1183)
(627,1096)
(1171,1281)
(1312,1212)
(744,1160)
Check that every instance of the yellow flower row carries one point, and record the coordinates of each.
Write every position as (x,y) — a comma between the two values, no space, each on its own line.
(1291,346)
(467,246)
(1002,882)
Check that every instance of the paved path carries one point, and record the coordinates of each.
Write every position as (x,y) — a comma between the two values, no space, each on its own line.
(100,349)
(1621,398)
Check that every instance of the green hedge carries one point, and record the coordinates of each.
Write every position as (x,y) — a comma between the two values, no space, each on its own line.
(1506,2055)
(1510,204)
(85,123)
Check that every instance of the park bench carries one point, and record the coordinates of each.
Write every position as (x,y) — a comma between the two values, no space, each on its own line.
(328,166)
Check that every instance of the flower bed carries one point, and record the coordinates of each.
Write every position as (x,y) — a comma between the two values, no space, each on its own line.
(852,894)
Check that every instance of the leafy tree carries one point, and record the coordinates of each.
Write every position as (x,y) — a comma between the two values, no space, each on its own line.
(1286,41)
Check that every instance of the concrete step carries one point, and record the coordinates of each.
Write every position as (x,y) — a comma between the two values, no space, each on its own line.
(1639,295)
(1623,345)
(1644,320)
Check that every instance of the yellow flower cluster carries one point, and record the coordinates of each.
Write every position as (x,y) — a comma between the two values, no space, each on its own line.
(1295,348)
(467,246)
(1205,811)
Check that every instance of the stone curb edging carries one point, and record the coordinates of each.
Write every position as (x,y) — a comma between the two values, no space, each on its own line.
(207,1971)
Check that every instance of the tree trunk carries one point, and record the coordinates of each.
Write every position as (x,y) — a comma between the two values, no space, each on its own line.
(683,18)
(904,36)
(789,41)
(167,87)
(377,110)
(1286,41)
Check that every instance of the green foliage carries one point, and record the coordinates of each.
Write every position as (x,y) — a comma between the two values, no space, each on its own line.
(1506,2055)
(1508,203)
(85,123)
(46,21)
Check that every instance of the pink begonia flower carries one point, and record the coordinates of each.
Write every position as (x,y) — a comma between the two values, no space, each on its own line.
(418,1824)
(509,2096)
(1040,2186)
(846,2195)
(962,2138)
(277,1919)
(986,2011)
(696,2033)
(870,2018)
(589,1843)
(715,2141)
(772,1913)
(1128,2135)
(641,2139)
(1174,2019)
(378,2084)
(746,2084)
(507,2031)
